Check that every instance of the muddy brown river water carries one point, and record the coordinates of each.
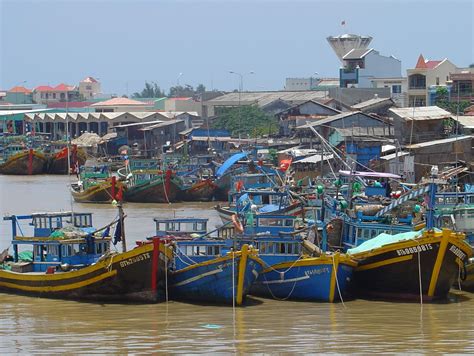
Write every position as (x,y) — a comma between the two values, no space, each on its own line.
(31,325)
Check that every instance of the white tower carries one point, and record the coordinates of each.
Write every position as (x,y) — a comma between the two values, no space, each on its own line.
(344,43)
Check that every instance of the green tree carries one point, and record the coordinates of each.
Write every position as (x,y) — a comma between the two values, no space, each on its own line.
(151,90)
(200,89)
(450,104)
(247,120)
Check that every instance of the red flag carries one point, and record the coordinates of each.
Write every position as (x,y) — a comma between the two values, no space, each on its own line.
(285,164)
(343,23)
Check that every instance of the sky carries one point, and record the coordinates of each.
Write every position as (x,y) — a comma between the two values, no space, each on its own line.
(125,43)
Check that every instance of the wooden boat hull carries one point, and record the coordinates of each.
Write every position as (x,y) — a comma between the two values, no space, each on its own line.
(155,191)
(100,193)
(296,209)
(216,280)
(308,279)
(134,276)
(201,191)
(393,271)
(58,163)
(24,163)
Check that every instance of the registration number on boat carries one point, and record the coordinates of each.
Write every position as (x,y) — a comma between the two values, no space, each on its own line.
(316,271)
(461,255)
(414,249)
(132,260)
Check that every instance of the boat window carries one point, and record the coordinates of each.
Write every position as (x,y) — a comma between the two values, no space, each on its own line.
(39,251)
(99,248)
(52,250)
(188,226)
(271,222)
(201,226)
(213,250)
(289,222)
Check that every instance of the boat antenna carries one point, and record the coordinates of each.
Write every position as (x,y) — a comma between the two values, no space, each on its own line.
(68,149)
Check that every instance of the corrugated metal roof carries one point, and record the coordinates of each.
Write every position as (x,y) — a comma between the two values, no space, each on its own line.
(264,98)
(394,155)
(421,113)
(466,121)
(315,159)
(370,102)
(438,142)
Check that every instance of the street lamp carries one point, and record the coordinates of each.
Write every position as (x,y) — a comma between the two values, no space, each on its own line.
(241,88)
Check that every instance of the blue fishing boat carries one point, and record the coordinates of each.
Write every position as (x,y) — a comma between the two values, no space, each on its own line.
(295,268)
(265,201)
(206,269)
(70,259)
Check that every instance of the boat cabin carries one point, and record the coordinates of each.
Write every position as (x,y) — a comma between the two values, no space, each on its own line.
(356,232)
(181,227)
(253,181)
(274,225)
(375,183)
(189,252)
(58,240)
(266,200)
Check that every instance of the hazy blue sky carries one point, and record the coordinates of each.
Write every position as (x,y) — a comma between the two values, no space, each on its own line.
(120,42)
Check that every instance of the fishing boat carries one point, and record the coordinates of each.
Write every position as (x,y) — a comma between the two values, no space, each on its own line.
(95,185)
(403,256)
(205,269)
(19,160)
(264,201)
(199,190)
(410,265)
(58,162)
(147,183)
(72,260)
(295,268)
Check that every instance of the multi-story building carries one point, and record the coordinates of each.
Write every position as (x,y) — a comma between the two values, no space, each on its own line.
(89,88)
(398,88)
(361,66)
(462,84)
(426,75)
(45,94)
(310,83)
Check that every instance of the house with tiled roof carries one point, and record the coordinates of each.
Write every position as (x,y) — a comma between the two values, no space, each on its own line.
(122,105)
(19,95)
(45,94)
(427,74)
(89,88)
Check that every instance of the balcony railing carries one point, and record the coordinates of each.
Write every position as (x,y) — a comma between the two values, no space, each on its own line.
(416,87)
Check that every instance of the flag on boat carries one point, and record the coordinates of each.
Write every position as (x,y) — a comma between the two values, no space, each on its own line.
(118,233)
(285,164)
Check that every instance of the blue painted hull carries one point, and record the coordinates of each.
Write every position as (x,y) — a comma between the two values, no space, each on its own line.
(303,281)
(213,281)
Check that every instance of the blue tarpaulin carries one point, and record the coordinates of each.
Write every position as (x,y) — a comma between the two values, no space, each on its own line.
(229,162)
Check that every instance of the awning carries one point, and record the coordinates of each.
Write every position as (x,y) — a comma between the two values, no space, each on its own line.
(229,162)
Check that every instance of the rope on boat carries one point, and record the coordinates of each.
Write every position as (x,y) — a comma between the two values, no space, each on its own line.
(270,290)
(166,276)
(337,282)
(189,258)
(233,289)
(459,276)
(419,278)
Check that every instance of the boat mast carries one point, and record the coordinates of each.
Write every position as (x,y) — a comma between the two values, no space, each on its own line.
(122,225)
